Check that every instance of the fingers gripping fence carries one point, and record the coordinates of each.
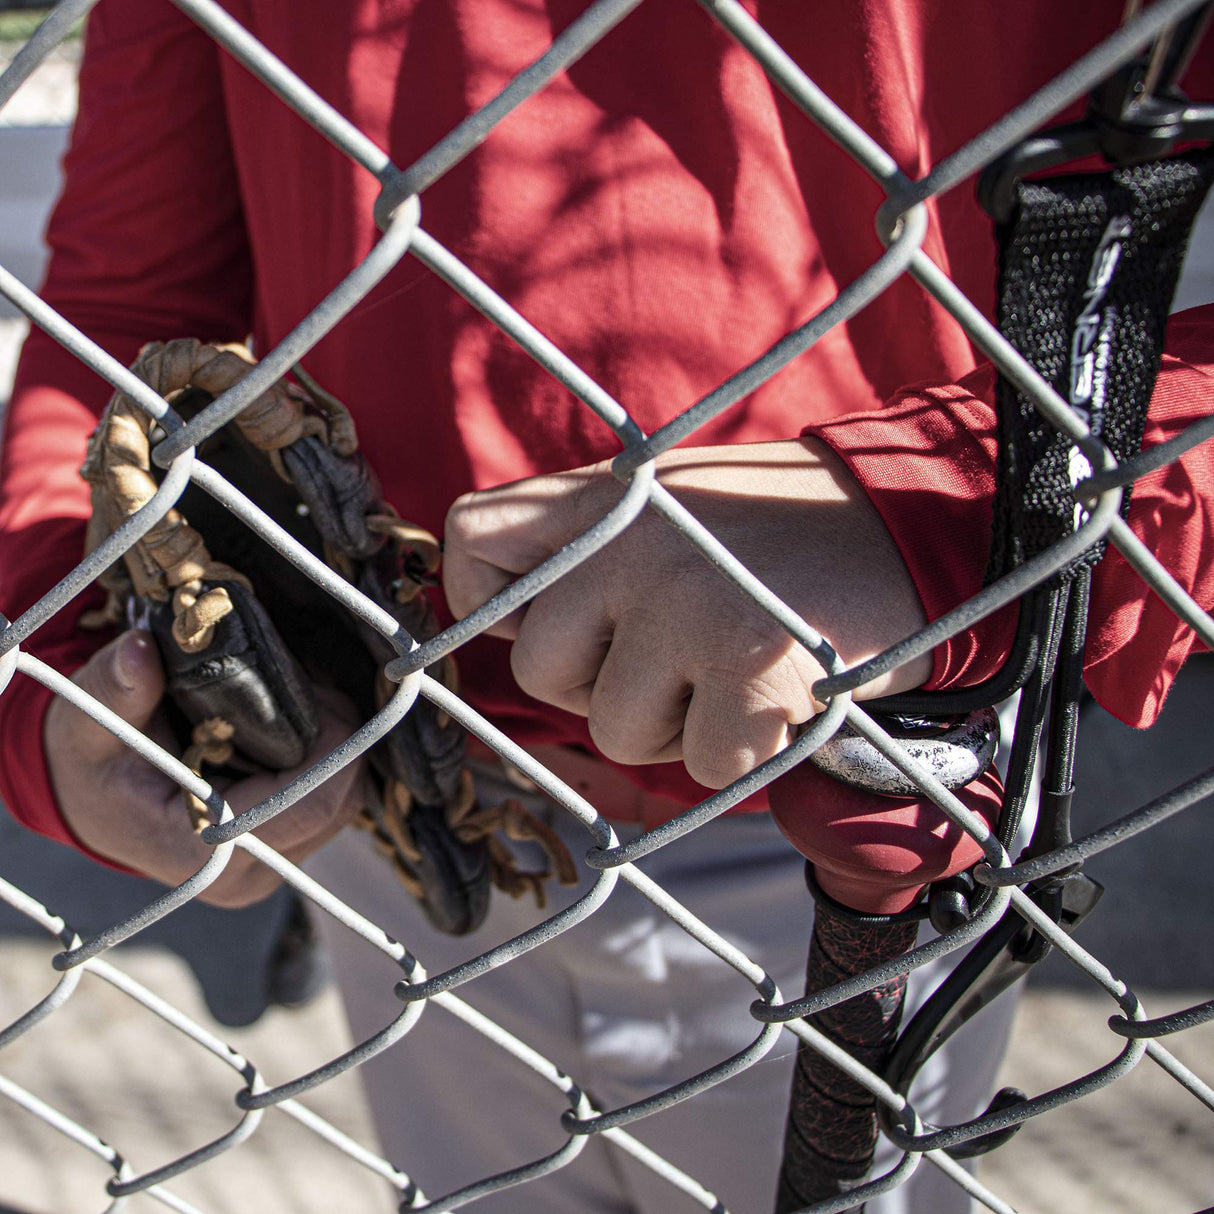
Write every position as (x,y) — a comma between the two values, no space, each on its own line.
(399,211)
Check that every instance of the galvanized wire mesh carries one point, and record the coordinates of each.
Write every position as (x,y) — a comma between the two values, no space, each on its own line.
(1133,1034)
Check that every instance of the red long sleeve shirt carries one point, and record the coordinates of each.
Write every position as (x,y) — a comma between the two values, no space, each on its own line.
(660,211)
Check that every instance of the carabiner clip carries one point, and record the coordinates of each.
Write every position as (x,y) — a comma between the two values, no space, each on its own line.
(1139,113)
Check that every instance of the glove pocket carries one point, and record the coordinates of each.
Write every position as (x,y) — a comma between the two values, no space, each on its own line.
(244,676)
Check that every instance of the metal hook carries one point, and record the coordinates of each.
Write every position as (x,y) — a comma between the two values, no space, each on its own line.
(1137,114)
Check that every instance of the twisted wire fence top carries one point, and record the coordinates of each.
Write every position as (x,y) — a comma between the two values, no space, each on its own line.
(1134,1031)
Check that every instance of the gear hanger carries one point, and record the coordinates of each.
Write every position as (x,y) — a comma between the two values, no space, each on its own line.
(1138,114)
(1092,326)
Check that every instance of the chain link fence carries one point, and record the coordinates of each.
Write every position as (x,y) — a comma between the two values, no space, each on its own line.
(1133,1035)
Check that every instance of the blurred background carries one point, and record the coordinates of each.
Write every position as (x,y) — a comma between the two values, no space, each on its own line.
(1141,1146)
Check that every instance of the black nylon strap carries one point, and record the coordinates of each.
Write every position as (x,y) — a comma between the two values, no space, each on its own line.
(1087,270)
(1088,266)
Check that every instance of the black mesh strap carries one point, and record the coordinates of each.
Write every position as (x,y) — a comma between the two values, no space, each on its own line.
(1087,270)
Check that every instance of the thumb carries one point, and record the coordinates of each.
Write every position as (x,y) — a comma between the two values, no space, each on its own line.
(127,677)
(492,536)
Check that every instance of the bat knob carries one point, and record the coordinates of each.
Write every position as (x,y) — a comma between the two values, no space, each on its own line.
(875,853)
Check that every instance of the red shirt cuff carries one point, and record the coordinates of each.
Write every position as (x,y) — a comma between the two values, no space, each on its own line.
(927,464)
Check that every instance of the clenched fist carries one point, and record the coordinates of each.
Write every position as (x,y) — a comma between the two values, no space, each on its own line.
(665,658)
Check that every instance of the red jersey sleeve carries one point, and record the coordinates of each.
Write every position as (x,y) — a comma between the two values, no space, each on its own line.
(134,258)
(927,462)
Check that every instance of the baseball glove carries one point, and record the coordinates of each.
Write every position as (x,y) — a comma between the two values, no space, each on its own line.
(245,635)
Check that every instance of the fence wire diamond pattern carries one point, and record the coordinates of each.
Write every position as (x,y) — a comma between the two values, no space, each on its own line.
(400,214)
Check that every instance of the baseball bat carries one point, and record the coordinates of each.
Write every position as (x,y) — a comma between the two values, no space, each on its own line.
(871,855)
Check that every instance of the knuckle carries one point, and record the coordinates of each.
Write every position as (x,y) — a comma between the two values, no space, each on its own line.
(459,526)
(591,493)
(729,758)
(734,732)
(626,733)
(712,768)
(531,669)
(619,746)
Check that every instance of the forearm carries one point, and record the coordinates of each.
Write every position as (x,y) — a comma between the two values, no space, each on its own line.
(140,249)
(43,509)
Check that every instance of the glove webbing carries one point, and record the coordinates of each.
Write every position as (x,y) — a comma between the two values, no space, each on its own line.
(1087,269)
